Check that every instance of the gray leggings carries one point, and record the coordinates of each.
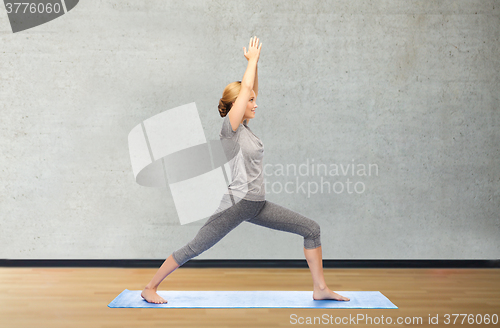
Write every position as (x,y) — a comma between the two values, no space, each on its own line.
(263,213)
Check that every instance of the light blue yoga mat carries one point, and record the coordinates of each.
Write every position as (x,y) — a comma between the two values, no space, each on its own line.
(253,299)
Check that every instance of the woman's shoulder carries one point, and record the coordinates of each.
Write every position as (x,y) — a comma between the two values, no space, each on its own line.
(226,130)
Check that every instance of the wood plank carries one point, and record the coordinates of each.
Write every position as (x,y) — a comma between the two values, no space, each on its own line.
(78,297)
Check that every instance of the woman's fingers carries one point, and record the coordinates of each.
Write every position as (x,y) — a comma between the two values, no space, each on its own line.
(254,47)
(254,42)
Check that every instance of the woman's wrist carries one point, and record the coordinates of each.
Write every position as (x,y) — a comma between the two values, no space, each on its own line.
(253,61)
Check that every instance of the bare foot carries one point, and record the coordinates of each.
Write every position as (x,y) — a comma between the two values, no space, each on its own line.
(327,294)
(151,296)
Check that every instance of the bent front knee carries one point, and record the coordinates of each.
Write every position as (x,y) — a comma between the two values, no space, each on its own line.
(315,230)
(313,240)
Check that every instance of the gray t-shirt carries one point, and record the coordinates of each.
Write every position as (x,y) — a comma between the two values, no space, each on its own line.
(245,152)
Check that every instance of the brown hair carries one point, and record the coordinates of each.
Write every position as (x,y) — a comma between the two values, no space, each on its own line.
(229,95)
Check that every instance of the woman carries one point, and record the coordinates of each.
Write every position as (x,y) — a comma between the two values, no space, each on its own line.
(246,190)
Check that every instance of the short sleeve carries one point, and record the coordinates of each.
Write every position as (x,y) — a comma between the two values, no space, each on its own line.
(227,131)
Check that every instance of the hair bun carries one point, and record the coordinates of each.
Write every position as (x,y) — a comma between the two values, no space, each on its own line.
(229,95)
(223,108)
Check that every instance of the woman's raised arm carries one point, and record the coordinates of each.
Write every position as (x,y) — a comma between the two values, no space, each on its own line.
(256,82)
(247,83)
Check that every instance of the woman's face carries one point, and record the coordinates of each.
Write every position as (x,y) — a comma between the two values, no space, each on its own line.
(251,106)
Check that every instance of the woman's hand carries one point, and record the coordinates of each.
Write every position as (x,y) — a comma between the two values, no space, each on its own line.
(253,49)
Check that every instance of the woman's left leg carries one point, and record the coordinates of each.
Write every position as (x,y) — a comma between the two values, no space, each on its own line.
(280,218)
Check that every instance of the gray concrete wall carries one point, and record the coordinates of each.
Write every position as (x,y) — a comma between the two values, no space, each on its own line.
(411,87)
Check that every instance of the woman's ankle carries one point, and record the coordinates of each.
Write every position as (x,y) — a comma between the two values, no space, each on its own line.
(320,286)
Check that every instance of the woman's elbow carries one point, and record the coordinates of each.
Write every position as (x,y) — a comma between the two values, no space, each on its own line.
(247,86)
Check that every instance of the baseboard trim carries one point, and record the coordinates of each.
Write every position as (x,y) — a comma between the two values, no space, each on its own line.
(152,263)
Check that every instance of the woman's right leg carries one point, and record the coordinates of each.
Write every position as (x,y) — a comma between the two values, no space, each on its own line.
(210,233)
(278,217)
(314,260)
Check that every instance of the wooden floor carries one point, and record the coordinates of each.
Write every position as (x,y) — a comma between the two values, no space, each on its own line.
(78,297)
